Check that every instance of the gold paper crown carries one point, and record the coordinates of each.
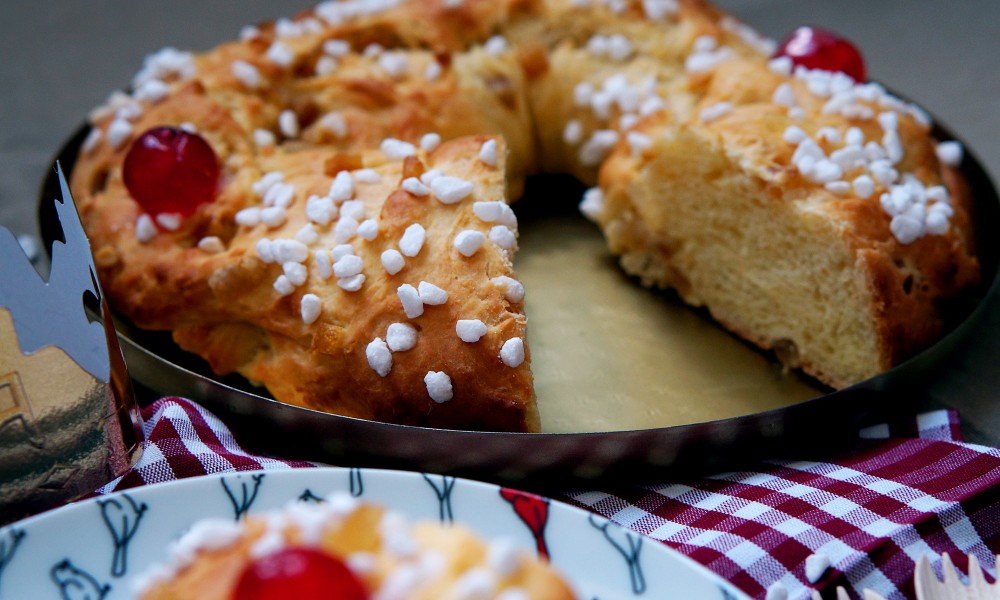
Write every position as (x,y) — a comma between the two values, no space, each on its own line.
(68,418)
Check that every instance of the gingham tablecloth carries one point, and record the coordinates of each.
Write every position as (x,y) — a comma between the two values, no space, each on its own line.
(782,530)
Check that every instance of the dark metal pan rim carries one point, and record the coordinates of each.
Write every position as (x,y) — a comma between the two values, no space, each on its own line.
(316,435)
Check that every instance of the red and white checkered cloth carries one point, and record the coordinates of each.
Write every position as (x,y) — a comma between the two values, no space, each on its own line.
(907,490)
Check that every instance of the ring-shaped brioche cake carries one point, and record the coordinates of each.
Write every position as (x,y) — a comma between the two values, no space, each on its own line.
(357,256)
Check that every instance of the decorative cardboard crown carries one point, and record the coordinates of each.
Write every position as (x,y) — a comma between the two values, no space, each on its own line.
(68,418)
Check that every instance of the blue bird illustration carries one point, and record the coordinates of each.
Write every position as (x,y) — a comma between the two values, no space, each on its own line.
(77,584)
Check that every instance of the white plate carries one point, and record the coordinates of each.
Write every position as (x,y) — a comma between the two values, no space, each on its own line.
(94,549)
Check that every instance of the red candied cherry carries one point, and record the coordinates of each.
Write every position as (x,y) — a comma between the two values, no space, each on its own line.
(815,48)
(169,170)
(299,573)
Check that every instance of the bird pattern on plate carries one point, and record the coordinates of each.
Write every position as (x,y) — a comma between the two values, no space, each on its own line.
(92,549)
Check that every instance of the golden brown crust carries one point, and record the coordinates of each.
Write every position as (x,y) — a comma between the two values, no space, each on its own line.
(679,124)
(919,287)
(238,322)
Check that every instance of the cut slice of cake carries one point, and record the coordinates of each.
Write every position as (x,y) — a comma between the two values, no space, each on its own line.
(784,224)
